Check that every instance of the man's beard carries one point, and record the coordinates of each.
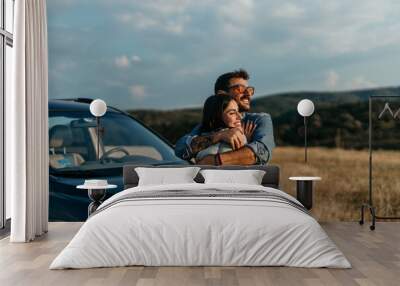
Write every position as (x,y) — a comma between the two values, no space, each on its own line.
(243,108)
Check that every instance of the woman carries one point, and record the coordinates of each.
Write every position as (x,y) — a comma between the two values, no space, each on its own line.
(219,112)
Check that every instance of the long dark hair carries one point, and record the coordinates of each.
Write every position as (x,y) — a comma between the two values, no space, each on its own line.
(212,112)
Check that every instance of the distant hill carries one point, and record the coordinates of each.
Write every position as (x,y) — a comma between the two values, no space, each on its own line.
(340,119)
(278,104)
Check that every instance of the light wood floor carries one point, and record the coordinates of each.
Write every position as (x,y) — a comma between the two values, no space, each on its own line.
(375,257)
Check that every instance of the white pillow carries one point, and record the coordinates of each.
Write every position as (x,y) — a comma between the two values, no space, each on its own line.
(248,177)
(163,176)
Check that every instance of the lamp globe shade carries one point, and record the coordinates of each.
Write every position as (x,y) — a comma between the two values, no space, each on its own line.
(98,107)
(305,107)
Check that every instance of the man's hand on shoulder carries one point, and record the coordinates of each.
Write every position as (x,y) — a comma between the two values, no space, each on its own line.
(248,129)
(233,136)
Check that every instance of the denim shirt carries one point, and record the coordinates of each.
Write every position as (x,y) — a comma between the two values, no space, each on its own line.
(262,142)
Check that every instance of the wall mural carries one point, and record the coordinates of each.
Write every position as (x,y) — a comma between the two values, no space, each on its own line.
(161,65)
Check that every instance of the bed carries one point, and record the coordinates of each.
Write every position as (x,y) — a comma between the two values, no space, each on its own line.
(199,224)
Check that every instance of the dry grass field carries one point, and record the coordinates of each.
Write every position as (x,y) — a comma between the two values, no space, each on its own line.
(344,185)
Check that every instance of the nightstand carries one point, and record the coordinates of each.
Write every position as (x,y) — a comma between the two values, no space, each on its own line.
(304,190)
(96,194)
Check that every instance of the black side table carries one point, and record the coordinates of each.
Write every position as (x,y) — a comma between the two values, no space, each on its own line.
(304,190)
(96,194)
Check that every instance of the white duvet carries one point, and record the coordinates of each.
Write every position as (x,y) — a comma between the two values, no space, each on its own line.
(200,231)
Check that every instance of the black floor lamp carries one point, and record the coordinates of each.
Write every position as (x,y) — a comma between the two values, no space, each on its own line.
(305,108)
(98,108)
(96,188)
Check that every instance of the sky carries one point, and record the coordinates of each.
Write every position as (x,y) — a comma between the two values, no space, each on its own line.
(137,54)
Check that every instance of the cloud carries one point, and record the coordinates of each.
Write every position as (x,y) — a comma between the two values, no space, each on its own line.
(140,21)
(167,16)
(288,11)
(331,79)
(360,82)
(236,11)
(137,91)
(185,44)
(175,27)
(192,71)
(64,3)
(343,27)
(62,67)
(65,65)
(235,16)
(136,59)
(122,62)
(167,8)
(114,83)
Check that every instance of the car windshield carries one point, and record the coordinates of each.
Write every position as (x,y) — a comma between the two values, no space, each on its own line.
(73,142)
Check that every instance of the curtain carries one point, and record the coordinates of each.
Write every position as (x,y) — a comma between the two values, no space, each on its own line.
(27,123)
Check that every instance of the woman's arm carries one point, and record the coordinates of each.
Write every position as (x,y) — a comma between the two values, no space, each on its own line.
(232,136)
(243,156)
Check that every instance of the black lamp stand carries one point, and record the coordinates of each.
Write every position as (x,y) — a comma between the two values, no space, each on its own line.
(305,139)
(98,137)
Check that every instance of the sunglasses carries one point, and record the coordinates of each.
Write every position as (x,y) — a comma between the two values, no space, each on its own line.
(240,88)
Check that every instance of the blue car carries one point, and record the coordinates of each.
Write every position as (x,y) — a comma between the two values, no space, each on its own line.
(73,153)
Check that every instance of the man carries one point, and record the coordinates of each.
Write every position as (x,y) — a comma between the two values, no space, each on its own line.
(257,126)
